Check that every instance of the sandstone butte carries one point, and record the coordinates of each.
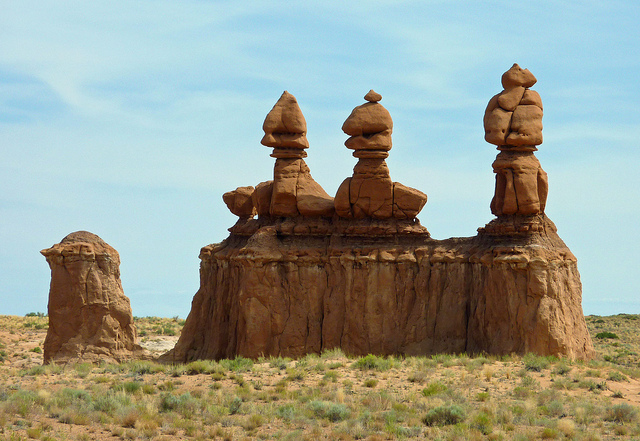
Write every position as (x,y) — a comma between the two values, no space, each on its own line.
(359,271)
(90,318)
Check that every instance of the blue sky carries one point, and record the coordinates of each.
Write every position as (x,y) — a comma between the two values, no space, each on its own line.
(130,119)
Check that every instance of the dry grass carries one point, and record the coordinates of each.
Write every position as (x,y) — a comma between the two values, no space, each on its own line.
(328,396)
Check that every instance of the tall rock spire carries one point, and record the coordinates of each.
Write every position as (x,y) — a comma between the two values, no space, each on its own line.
(513,122)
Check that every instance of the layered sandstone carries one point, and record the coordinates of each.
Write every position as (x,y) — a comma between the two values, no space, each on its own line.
(90,318)
(370,279)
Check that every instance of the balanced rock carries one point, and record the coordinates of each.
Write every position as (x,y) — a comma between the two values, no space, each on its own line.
(90,318)
(370,192)
(513,117)
(513,122)
(292,192)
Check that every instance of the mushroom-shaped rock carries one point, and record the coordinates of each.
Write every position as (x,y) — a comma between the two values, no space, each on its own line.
(285,126)
(513,118)
(369,125)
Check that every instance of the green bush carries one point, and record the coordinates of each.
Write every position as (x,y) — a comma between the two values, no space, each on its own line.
(535,363)
(373,362)
(606,334)
(434,388)
(444,416)
(621,413)
(238,364)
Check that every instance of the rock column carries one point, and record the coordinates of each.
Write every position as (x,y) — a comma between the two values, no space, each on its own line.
(370,192)
(90,318)
(513,122)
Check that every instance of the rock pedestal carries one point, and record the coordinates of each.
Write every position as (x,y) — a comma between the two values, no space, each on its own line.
(370,192)
(513,122)
(89,316)
(292,192)
(370,279)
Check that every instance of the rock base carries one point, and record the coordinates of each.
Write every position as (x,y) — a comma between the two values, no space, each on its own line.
(269,293)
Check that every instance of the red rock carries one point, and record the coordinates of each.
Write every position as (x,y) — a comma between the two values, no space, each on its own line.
(285,125)
(261,198)
(407,201)
(90,318)
(270,295)
(368,119)
(526,126)
(516,76)
(240,201)
(509,99)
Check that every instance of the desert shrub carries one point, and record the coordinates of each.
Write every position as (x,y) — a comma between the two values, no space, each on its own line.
(617,376)
(201,367)
(286,412)
(234,406)
(562,369)
(238,364)
(606,334)
(621,413)
(83,369)
(370,382)
(535,363)
(143,367)
(483,422)
(444,416)
(334,412)
(279,363)
(434,388)
(373,362)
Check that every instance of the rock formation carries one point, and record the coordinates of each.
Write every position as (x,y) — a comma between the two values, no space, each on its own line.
(370,193)
(370,279)
(513,122)
(89,316)
(293,192)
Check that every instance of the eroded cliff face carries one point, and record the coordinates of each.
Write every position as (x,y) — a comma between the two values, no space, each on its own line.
(270,294)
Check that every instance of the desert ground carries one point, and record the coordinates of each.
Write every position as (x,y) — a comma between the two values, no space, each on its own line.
(322,396)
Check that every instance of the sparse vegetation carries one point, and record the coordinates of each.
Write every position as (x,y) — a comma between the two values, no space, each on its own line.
(325,396)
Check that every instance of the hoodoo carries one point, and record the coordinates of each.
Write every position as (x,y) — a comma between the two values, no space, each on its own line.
(360,273)
(90,318)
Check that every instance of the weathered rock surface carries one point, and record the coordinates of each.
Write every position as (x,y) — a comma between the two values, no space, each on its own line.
(276,295)
(370,192)
(513,122)
(370,279)
(89,316)
(293,191)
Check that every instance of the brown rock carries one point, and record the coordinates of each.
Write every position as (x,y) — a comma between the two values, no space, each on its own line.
(240,201)
(90,318)
(270,295)
(342,201)
(526,126)
(517,76)
(373,97)
(407,201)
(368,119)
(531,97)
(520,184)
(509,99)
(285,126)
(285,187)
(312,200)
(496,126)
(261,198)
